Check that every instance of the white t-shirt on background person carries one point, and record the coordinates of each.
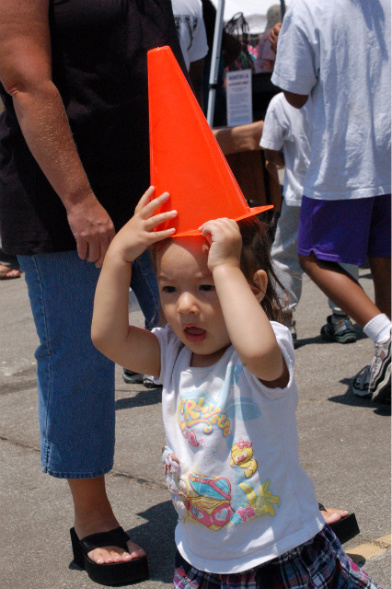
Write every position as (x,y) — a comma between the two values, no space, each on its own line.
(188,16)
(289,129)
(339,52)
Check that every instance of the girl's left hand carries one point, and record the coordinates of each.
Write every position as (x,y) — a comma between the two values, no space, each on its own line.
(225,241)
(139,233)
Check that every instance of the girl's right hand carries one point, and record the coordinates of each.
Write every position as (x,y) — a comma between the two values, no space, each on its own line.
(139,233)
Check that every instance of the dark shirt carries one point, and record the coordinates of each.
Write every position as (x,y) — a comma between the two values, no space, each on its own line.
(99,50)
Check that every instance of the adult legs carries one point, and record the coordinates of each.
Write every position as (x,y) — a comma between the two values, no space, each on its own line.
(353,270)
(75,389)
(93,514)
(289,272)
(328,235)
(9,265)
(324,229)
(340,287)
(381,274)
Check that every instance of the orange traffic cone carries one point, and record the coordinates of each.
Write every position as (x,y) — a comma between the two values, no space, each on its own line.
(186,160)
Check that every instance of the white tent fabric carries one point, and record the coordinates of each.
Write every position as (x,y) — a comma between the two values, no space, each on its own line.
(255,12)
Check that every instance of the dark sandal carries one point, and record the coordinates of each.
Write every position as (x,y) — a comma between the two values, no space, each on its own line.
(113,574)
(346,528)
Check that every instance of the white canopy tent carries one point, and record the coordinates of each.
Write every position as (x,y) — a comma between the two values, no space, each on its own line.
(255,12)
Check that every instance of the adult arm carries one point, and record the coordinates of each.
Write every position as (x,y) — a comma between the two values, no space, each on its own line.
(296,66)
(25,71)
(274,35)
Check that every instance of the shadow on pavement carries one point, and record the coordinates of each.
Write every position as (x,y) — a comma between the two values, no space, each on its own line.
(318,340)
(350,399)
(144,398)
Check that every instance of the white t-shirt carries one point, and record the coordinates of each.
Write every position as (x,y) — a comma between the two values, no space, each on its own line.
(339,52)
(188,16)
(288,129)
(249,499)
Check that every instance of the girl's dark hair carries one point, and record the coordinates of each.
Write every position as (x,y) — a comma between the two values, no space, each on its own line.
(255,255)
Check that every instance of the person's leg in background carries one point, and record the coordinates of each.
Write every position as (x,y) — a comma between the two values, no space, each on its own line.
(370,235)
(339,327)
(76,392)
(144,285)
(286,265)
(289,272)
(9,266)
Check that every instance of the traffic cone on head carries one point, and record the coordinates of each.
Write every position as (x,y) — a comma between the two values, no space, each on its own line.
(185,158)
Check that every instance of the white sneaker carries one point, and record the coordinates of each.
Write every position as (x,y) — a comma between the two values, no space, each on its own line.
(380,374)
(360,384)
(375,380)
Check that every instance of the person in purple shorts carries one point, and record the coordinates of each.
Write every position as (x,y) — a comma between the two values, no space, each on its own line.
(338,51)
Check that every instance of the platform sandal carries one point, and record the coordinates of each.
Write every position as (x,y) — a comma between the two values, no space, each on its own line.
(346,528)
(112,574)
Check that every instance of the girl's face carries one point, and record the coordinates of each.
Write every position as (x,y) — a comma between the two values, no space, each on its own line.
(189,300)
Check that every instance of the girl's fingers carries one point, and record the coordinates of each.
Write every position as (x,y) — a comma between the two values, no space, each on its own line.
(156,220)
(160,235)
(149,208)
(145,199)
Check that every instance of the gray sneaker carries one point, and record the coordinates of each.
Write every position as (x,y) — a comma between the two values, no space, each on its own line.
(130,377)
(341,332)
(360,384)
(374,380)
(380,373)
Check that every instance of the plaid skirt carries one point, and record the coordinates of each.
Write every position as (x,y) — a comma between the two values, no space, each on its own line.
(320,563)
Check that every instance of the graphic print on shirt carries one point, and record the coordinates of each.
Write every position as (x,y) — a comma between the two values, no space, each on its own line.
(190,22)
(242,455)
(210,505)
(257,505)
(197,408)
(214,501)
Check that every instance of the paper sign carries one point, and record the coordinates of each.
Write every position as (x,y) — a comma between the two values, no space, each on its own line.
(239,97)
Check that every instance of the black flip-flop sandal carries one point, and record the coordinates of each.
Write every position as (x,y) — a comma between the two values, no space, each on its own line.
(113,574)
(346,528)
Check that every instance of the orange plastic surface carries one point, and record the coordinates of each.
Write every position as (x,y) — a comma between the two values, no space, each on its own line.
(186,160)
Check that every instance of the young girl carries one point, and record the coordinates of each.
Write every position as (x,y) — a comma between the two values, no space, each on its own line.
(248,515)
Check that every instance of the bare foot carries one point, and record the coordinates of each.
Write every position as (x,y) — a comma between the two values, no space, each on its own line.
(332,516)
(93,514)
(111,554)
(6,273)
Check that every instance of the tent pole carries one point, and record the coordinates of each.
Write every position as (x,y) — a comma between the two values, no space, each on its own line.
(215,58)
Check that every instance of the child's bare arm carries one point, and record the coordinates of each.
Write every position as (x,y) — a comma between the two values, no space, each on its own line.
(248,326)
(129,346)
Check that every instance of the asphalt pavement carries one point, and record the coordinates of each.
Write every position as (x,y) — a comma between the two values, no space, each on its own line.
(344,446)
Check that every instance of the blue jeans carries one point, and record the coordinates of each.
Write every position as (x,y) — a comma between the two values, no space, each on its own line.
(145,286)
(75,381)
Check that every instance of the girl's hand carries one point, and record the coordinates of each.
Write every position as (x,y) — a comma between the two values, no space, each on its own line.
(225,241)
(138,234)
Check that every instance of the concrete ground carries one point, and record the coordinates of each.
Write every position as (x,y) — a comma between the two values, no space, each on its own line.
(344,446)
